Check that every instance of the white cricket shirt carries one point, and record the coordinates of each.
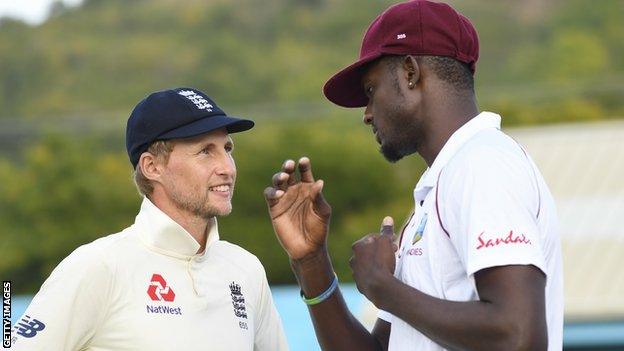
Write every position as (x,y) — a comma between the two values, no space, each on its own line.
(145,288)
(482,203)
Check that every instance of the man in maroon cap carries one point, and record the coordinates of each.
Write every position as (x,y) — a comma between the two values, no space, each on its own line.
(478,264)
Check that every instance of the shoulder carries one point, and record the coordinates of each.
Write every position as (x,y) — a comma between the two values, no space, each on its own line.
(490,156)
(489,147)
(90,266)
(96,257)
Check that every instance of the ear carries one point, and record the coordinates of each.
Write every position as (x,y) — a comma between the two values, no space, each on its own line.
(411,70)
(150,166)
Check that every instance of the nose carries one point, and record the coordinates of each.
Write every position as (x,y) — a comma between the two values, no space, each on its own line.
(368,117)
(226,167)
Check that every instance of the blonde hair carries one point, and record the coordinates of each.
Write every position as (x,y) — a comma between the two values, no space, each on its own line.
(161,149)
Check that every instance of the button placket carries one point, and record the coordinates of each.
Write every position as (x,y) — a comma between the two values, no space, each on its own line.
(194,269)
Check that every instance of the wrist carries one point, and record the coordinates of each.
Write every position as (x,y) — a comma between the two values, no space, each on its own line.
(314,272)
(323,296)
(382,290)
(311,261)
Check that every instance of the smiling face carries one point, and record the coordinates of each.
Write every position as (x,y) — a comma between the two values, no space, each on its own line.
(200,174)
(393,116)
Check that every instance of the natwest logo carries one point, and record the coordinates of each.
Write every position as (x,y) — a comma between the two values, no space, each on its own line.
(511,238)
(158,289)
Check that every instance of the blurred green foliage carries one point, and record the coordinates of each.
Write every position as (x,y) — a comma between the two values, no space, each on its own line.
(106,55)
(67,86)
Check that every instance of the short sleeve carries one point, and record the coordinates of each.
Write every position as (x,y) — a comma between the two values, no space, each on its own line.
(269,332)
(489,202)
(66,311)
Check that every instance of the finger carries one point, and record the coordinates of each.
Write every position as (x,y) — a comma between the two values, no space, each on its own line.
(317,188)
(288,167)
(272,195)
(305,169)
(280,180)
(357,244)
(363,241)
(387,227)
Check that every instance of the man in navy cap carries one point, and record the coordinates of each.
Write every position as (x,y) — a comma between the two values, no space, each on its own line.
(167,282)
(478,264)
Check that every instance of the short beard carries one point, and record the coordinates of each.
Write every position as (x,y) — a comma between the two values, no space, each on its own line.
(393,152)
(199,207)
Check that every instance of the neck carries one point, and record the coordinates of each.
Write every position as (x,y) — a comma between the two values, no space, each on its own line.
(197,226)
(444,117)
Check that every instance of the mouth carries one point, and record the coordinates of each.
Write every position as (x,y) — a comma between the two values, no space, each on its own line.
(222,189)
(377,137)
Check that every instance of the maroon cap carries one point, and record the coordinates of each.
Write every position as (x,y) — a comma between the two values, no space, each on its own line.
(415,27)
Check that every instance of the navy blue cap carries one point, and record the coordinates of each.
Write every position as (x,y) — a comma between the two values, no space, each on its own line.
(174,114)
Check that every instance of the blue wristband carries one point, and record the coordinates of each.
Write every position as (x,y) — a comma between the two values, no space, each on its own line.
(323,296)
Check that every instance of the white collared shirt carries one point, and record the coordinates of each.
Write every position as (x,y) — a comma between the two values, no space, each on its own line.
(482,203)
(145,288)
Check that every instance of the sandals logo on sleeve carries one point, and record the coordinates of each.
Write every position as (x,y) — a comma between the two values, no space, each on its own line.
(509,239)
(158,289)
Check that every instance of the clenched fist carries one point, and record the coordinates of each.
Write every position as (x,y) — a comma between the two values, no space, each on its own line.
(373,261)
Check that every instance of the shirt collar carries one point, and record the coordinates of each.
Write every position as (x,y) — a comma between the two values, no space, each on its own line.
(162,234)
(428,180)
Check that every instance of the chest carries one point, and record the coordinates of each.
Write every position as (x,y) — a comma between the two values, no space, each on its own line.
(179,305)
(427,259)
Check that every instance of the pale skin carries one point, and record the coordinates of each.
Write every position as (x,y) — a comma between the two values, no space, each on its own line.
(510,314)
(196,183)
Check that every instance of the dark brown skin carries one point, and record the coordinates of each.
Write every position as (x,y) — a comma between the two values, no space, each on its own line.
(510,314)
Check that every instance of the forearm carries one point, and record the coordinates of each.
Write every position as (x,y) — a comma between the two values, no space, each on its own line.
(470,325)
(336,328)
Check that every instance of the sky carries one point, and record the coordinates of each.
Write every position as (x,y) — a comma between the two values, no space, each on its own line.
(30,11)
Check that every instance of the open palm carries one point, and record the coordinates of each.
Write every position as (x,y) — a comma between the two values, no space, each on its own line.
(299,213)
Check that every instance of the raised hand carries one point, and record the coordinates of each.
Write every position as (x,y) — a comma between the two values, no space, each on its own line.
(299,213)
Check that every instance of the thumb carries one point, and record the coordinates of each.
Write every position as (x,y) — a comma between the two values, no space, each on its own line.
(320,204)
(387,226)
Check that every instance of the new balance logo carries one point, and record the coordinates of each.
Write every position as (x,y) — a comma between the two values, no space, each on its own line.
(29,328)
(158,289)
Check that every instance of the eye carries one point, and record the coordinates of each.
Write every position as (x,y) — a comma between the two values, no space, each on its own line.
(229,148)
(369,90)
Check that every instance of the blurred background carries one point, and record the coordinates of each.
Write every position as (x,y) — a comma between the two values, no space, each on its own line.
(71,72)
